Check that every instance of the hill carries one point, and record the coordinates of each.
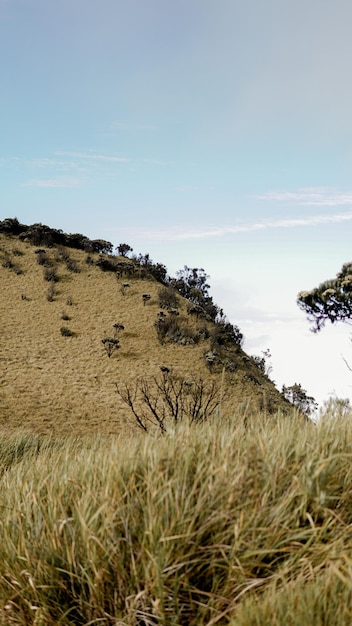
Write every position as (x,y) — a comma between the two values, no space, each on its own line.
(64,301)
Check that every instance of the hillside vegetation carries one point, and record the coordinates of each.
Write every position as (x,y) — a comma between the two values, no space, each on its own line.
(151,473)
(241,524)
(58,304)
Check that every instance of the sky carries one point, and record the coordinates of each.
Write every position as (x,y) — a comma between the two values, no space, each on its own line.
(208,133)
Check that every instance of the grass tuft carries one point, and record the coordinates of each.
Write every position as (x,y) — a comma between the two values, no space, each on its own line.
(220,523)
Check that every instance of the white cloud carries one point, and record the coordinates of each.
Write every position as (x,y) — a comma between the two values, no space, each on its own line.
(183,234)
(310,196)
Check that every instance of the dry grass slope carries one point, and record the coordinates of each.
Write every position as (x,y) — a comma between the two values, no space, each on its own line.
(52,383)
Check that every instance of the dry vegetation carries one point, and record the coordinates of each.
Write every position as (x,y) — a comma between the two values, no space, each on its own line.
(56,376)
(218,524)
(243,518)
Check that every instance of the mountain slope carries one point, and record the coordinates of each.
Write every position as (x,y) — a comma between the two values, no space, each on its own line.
(51,382)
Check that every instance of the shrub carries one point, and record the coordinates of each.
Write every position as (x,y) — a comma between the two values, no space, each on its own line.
(42,257)
(224,333)
(11,226)
(298,397)
(111,344)
(169,399)
(66,332)
(168,298)
(123,249)
(50,294)
(107,264)
(72,266)
(7,261)
(50,273)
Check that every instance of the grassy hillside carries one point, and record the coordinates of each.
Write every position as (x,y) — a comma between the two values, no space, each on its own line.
(54,383)
(239,524)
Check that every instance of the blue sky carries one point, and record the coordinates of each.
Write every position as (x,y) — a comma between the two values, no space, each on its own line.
(215,134)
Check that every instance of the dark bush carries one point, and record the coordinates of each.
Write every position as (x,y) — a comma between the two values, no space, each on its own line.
(111,344)
(123,249)
(224,333)
(11,226)
(42,257)
(66,332)
(72,266)
(109,264)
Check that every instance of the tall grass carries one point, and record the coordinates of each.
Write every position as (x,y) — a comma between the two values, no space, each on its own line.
(241,523)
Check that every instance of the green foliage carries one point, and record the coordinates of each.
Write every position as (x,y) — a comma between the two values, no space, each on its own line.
(330,301)
(298,397)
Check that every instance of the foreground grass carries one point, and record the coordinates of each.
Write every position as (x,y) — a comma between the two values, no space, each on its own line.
(241,524)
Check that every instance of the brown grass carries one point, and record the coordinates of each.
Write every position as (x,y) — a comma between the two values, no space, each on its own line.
(56,384)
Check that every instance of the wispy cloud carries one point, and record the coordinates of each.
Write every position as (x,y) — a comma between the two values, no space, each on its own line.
(93,156)
(183,234)
(310,196)
(68,183)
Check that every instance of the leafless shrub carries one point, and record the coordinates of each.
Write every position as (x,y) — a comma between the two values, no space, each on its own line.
(168,399)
